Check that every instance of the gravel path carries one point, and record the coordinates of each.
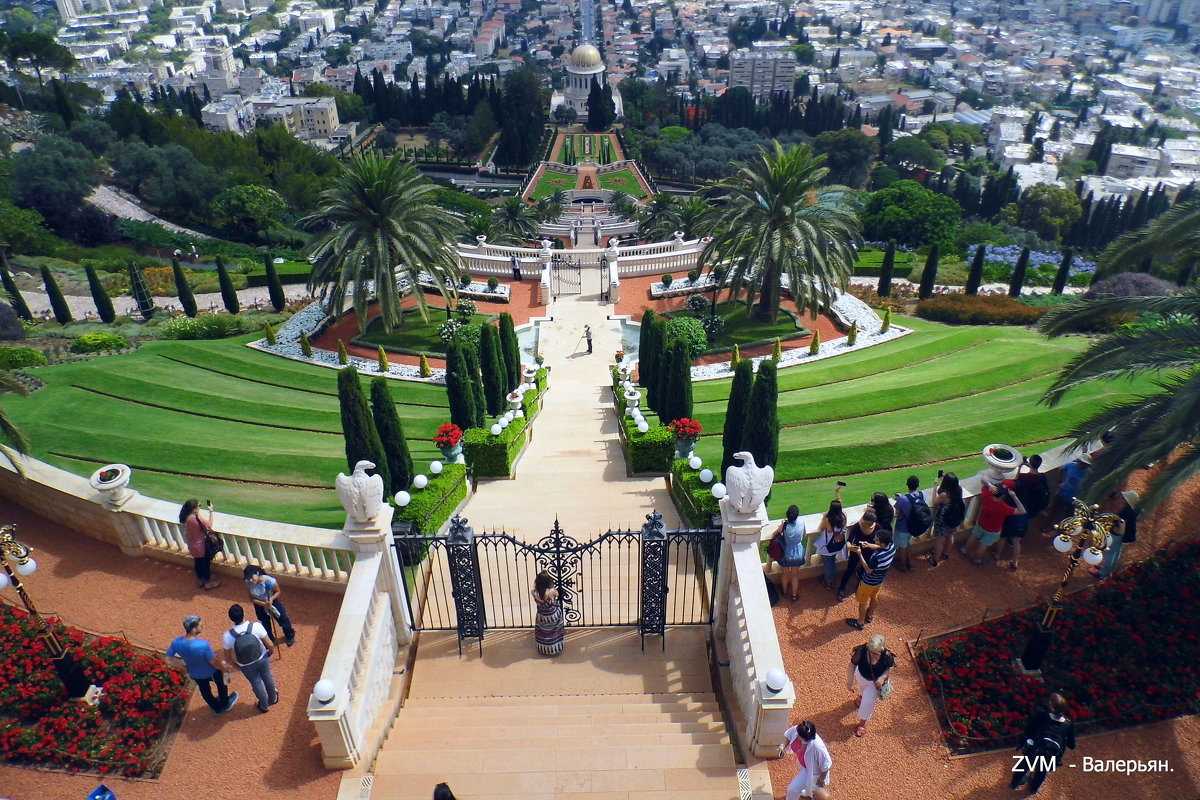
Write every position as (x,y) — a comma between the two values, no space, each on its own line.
(124,205)
(83,308)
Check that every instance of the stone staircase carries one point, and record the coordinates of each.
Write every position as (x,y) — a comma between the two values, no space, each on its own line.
(602,720)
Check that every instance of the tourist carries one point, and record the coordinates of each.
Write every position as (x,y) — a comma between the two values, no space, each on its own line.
(996,502)
(1033,488)
(1008,550)
(858,533)
(264,591)
(902,536)
(815,762)
(875,559)
(831,542)
(949,511)
(792,530)
(587,334)
(1048,735)
(197,532)
(247,645)
(870,666)
(442,792)
(885,516)
(1124,531)
(548,626)
(202,665)
(1068,487)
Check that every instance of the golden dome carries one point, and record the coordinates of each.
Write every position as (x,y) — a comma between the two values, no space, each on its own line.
(586,55)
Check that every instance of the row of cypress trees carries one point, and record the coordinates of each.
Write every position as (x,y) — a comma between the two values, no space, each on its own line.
(664,369)
(974,273)
(478,381)
(374,432)
(752,415)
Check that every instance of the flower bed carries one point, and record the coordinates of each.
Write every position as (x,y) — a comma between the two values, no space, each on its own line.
(1123,653)
(129,733)
(961,309)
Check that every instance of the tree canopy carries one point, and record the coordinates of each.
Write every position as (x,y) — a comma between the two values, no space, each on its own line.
(911,214)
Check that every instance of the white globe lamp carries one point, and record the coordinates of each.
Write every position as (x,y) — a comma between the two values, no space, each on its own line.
(403,498)
(420,481)
(435,467)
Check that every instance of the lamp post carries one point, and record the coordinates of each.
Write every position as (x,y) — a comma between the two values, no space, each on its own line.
(1084,535)
(12,551)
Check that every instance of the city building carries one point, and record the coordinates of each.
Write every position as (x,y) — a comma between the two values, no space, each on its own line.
(763,73)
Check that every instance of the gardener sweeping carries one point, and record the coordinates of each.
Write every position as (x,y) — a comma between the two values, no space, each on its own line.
(264,591)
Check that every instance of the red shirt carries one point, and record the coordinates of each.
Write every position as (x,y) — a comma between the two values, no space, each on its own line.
(993,512)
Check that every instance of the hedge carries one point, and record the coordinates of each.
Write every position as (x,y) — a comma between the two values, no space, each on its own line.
(18,357)
(99,342)
(693,496)
(958,309)
(431,507)
(493,456)
(651,451)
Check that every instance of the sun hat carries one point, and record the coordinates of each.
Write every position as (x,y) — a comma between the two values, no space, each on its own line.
(877,644)
(1086,458)
(190,622)
(1131,497)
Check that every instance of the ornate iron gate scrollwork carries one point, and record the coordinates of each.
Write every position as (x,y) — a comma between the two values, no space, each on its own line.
(654,579)
(559,555)
(464,580)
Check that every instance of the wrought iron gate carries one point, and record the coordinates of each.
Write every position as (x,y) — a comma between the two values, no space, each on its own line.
(568,275)
(649,578)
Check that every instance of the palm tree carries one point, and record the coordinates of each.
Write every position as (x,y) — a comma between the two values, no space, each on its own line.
(1173,236)
(11,436)
(1148,428)
(482,224)
(551,207)
(517,220)
(624,206)
(779,220)
(379,216)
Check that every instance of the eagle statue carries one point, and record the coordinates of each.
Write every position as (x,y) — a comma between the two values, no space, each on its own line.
(749,484)
(361,494)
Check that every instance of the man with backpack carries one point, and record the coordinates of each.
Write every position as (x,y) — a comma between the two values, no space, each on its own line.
(1049,733)
(913,518)
(247,645)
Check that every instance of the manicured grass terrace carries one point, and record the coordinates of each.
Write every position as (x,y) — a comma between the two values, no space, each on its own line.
(259,435)
(552,181)
(623,180)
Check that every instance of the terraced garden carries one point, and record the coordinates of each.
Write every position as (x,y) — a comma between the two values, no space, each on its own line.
(926,402)
(259,435)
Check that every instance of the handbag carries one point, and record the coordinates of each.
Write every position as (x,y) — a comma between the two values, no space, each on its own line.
(212,543)
(885,691)
(775,548)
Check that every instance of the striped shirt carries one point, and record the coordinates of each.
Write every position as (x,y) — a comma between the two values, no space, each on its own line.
(879,561)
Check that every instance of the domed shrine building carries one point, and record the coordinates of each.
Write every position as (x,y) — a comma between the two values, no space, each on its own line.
(586,66)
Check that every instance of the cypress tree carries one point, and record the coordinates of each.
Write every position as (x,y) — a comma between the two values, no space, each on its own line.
(777,351)
(648,361)
(1018,276)
(140,292)
(814,346)
(384,366)
(735,357)
(1064,271)
(269,333)
(274,286)
(58,303)
(852,334)
(494,374)
(886,269)
(18,302)
(305,345)
(735,413)
(663,365)
(678,399)
(929,274)
(478,399)
(644,343)
(228,293)
(391,436)
(104,306)
(887,321)
(761,436)
(358,428)
(458,388)
(975,275)
(510,351)
(187,300)
(426,372)
(343,356)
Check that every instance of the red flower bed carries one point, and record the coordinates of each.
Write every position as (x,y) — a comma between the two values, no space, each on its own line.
(1123,653)
(128,733)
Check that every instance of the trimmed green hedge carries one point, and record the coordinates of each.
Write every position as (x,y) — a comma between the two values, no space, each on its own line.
(432,506)
(99,342)
(693,495)
(493,456)
(18,357)
(651,451)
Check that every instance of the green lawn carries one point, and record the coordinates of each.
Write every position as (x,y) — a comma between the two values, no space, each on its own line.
(259,435)
(553,181)
(416,335)
(623,180)
(741,329)
(929,401)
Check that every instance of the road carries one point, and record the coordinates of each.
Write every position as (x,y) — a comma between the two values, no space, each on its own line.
(587,13)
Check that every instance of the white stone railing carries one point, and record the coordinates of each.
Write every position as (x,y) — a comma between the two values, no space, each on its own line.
(640,259)
(300,555)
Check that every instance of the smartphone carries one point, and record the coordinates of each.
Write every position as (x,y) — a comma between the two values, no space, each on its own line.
(941,473)
(842,484)
(208,502)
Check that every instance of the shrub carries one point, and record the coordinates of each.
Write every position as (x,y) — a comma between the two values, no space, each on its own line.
(693,274)
(493,283)
(814,346)
(651,451)
(777,351)
(697,304)
(464,279)
(20,357)
(384,366)
(852,334)
(735,357)
(1129,284)
(694,496)
(10,324)
(887,321)
(98,342)
(958,309)
(426,372)
(343,356)
(206,326)
(305,345)
(493,456)
(761,434)
(466,308)
(391,436)
(432,506)
(690,331)
(713,326)
(269,333)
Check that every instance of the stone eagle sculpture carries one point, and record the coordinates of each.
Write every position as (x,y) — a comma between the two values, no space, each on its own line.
(361,494)
(749,484)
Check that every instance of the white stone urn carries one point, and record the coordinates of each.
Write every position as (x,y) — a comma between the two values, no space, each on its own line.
(624,370)
(112,481)
(632,398)
(530,375)
(1001,461)
(514,404)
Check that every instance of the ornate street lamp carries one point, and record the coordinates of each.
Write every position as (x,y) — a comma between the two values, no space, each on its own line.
(12,551)
(1084,535)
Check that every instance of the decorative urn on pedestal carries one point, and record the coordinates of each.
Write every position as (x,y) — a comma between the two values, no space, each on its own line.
(687,432)
(1001,461)
(112,481)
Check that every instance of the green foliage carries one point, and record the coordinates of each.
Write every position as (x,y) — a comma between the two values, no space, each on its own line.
(644,338)
(187,300)
(104,306)
(1048,210)
(761,435)
(735,412)
(54,177)
(690,331)
(20,357)
(777,350)
(14,294)
(343,356)
(852,334)
(140,291)
(269,333)
(667,278)
(431,507)
(814,346)
(391,436)
(886,269)
(99,342)
(694,496)
(848,153)
(735,357)
(23,230)
(510,349)
(975,275)
(1018,276)
(887,321)
(206,326)
(459,388)
(493,372)
(650,364)
(426,372)
(246,209)
(959,309)
(677,403)
(58,303)
(274,285)
(358,426)
(651,451)
(384,366)
(305,345)
(493,456)
(911,214)
(929,273)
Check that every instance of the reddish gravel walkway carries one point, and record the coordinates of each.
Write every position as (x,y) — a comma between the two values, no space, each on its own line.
(243,754)
(902,746)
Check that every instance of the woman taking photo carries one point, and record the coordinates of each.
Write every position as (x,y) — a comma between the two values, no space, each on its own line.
(197,532)
(949,511)
(548,626)
(792,532)
(831,542)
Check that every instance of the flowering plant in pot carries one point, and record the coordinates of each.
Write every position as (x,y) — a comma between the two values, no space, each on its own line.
(448,435)
(685,428)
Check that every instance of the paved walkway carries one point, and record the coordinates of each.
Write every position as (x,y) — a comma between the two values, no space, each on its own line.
(574,468)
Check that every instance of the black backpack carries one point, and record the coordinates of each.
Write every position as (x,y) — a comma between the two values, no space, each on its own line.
(247,647)
(953,513)
(919,517)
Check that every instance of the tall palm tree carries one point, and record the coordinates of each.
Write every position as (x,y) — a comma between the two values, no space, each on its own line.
(779,220)
(379,216)
(11,437)
(1175,236)
(1148,428)
(482,224)
(517,220)
(551,207)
